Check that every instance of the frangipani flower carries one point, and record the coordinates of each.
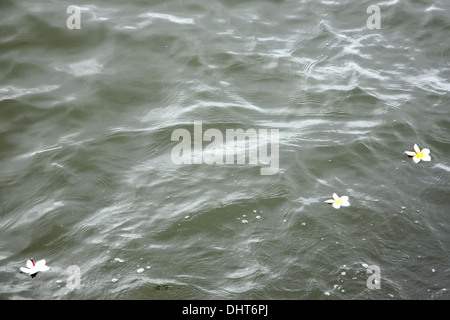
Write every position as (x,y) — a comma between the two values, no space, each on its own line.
(337,201)
(33,268)
(418,155)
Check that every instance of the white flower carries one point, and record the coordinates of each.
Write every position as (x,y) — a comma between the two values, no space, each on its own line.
(418,155)
(337,202)
(33,268)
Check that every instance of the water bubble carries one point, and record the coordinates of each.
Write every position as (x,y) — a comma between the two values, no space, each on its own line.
(119,260)
(140,270)
(244,221)
(254,211)
(365,265)
(113,280)
(258,217)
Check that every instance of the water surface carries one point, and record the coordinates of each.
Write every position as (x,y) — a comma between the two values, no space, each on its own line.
(347,101)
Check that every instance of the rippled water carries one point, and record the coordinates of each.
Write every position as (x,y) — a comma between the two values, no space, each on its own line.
(347,101)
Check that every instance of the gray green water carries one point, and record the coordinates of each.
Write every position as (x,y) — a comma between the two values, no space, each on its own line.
(347,101)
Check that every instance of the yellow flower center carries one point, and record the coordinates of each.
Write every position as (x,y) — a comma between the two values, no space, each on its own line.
(419,154)
(338,201)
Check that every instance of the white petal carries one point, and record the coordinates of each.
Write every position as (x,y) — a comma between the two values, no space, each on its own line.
(426,158)
(345,204)
(25,270)
(329,201)
(335,196)
(416,160)
(40,262)
(29,264)
(416,148)
(344,198)
(426,151)
(336,205)
(409,153)
(43,268)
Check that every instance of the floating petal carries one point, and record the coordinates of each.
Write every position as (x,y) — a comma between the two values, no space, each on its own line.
(25,270)
(40,263)
(416,148)
(30,264)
